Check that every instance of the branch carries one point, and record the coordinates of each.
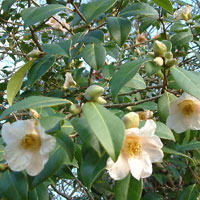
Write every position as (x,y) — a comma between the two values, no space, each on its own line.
(122,105)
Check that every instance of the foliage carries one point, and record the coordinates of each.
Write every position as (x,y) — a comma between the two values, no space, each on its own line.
(109,43)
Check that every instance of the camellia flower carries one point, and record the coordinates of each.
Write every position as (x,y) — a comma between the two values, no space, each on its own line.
(141,38)
(56,25)
(141,148)
(183,13)
(28,146)
(184,114)
(69,81)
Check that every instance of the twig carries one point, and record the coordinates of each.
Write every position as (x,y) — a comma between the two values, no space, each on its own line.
(136,45)
(59,192)
(122,105)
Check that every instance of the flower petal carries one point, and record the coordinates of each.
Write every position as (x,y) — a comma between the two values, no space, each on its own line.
(118,170)
(17,158)
(37,163)
(141,166)
(132,131)
(148,129)
(17,130)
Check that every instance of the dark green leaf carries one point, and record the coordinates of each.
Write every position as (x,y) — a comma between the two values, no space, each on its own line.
(34,102)
(39,68)
(95,8)
(128,189)
(125,74)
(189,193)
(15,82)
(136,82)
(13,185)
(94,55)
(119,29)
(34,15)
(187,80)
(61,48)
(92,166)
(6,5)
(42,192)
(180,39)
(139,10)
(108,128)
(192,145)
(165,4)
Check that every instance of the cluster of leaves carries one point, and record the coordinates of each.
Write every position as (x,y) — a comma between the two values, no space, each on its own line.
(100,48)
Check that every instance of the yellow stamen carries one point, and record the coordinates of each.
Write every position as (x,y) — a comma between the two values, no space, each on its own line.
(31,141)
(132,146)
(187,107)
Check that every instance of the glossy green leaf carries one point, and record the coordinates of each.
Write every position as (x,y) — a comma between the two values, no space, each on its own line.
(139,10)
(15,82)
(86,134)
(40,67)
(60,48)
(128,189)
(119,29)
(96,36)
(112,50)
(146,106)
(95,8)
(34,102)
(124,75)
(6,5)
(180,39)
(136,82)
(56,160)
(108,128)
(163,131)
(94,55)
(165,4)
(66,142)
(164,104)
(151,68)
(189,193)
(92,166)
(192,145)
(42,192)
(187,80)
(34,15)
(172,151)
(13,185)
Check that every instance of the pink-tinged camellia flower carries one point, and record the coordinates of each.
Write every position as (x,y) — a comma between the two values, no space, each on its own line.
(28,146)
(184,114)
(183,13)
(141,148)
(69,81)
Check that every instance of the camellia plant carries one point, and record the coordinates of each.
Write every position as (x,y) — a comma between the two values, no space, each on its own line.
(100,99)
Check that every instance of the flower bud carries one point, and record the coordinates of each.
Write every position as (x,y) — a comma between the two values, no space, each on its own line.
(35,54)
(69,81)
(93,92)
(151,54)
(100,100)
(159,48)
(34,114)
(171,63)
(169,55)
(75,109)
(3,167)
(131,120)
(159,61)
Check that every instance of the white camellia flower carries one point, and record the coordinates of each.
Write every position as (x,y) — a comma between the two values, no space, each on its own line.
(28,146)
(141,148)
(184,114)
(183,13)
(69,81)
(56,25)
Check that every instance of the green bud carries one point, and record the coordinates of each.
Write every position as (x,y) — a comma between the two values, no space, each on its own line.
(35,54)
(159,61)
(131,120)
(171,63)
(93,92)
(2,167)
(159,48)
(185,17)
(169,55)
(75,109)
(100,100)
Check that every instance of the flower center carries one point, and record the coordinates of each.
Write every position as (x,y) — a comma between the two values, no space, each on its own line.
(132,146)
(31,141)
(187,107)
